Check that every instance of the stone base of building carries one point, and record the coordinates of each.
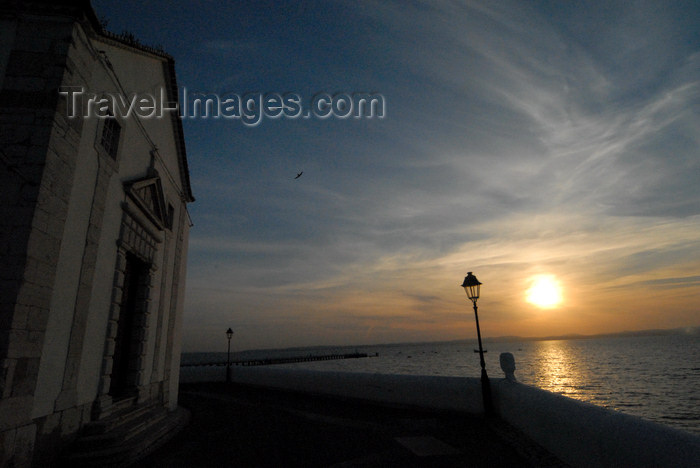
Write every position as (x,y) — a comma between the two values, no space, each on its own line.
(124,437)
(74,437)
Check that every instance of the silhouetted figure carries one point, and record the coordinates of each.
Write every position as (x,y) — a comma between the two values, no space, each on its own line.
(508,366)
(298,175)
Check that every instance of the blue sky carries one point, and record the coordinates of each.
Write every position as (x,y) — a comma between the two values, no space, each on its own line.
(520,139)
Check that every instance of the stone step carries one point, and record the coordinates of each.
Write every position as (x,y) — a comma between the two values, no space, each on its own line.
(127,444)
(119,417)
(119,432)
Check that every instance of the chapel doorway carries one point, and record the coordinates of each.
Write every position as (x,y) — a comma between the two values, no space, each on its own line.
(127,342)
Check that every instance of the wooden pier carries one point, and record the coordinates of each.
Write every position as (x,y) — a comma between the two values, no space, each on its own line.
(281,360)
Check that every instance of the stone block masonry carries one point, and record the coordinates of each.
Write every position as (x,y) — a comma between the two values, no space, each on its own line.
(37,178)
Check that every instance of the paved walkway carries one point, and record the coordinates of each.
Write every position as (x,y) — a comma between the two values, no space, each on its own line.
(240,426)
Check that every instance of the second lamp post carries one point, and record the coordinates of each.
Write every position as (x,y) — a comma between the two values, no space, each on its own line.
(472,287)
(229,334)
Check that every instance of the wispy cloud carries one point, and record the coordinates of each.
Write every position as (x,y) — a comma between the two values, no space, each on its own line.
(520,139)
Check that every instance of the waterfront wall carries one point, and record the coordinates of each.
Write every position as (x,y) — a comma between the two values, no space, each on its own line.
(579,433)
(583,434)
(435,392)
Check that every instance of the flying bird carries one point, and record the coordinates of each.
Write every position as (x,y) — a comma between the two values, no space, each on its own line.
(298,175)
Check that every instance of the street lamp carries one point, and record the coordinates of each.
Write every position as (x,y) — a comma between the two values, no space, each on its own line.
(229,335)
(472,287)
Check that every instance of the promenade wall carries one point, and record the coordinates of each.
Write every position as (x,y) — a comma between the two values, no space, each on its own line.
(436,392)
(578,433)
(583,434)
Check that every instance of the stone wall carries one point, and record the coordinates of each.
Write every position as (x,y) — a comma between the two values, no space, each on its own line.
(38,149)
(578,433)
(583,434)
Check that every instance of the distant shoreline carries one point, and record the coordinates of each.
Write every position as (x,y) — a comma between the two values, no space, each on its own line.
(693,330)
(623,334)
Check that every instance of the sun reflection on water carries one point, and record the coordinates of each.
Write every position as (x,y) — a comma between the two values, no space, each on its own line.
(558,368)
(555,369)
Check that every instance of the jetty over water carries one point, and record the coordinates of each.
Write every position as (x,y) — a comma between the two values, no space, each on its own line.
(280,360)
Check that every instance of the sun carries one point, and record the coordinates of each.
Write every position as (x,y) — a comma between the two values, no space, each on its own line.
(544,292)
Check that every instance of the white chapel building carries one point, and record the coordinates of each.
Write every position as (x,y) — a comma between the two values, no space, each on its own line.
(93,240)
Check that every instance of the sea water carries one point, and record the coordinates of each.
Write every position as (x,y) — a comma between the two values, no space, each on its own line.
(654,377)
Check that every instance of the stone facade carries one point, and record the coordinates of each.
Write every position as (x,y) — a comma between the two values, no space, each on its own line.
(93,231)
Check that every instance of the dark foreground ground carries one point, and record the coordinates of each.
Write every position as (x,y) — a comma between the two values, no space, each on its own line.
(242,426)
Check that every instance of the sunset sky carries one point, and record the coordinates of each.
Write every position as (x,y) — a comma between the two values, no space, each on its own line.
(520,139)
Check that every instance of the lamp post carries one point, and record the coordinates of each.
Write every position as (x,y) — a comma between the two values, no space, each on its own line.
(229,334)
(472,287)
